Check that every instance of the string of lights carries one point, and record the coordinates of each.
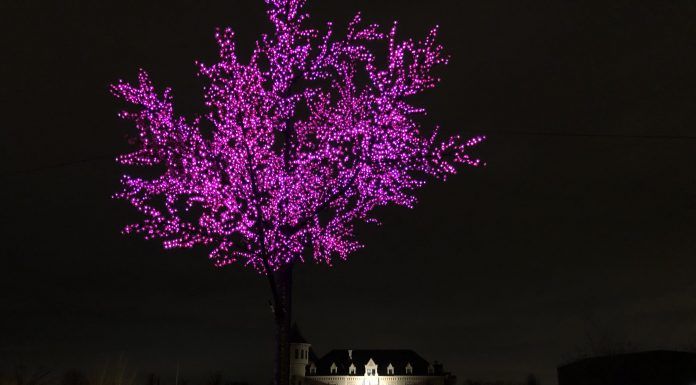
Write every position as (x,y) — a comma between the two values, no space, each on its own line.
(300,148)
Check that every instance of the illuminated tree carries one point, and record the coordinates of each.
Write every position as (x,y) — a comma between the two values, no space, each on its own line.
(298,144)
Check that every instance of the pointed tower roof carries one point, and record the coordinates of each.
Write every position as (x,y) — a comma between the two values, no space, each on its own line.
(295,335)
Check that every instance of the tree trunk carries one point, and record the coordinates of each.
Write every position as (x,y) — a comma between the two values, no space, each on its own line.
(281,286)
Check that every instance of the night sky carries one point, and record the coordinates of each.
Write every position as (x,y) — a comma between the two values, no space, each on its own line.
(576,238)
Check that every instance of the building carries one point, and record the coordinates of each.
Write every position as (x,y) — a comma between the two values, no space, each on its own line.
(660,367)
(362,366)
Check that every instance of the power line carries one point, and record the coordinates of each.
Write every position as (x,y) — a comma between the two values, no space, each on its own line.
(488,134)
(60,165)
(591,135)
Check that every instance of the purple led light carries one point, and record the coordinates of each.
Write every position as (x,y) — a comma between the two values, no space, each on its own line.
(300,149)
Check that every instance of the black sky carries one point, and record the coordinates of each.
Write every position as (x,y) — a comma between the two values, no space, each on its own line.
(577,236)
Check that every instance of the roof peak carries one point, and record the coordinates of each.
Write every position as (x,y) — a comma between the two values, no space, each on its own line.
(295,335)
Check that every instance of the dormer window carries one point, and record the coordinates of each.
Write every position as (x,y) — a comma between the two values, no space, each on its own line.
(334,368)
(409,368)
(390,369)
(371,368)
(312,369)
(431,370)
(351,369)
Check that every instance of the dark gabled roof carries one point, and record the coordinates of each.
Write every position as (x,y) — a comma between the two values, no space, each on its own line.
(312,355)
(399,358)
(296,336)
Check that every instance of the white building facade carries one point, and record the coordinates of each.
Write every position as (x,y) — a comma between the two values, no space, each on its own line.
(362,367)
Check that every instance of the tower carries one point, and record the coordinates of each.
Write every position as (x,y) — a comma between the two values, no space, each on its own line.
(299,356)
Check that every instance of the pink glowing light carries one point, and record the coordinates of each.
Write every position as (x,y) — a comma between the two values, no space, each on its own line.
(308,137)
